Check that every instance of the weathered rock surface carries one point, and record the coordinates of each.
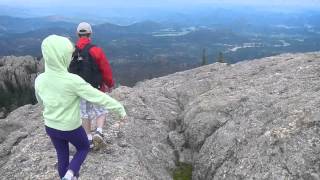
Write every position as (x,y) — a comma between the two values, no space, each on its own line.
(18,71)
(17,75)
(251,120)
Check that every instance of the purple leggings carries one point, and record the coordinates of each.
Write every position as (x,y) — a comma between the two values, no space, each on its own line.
(60,140)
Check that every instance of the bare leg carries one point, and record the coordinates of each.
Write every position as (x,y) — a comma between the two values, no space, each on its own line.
(100,121)
(86,123)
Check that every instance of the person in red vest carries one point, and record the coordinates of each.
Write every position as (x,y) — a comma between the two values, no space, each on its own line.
(90,112)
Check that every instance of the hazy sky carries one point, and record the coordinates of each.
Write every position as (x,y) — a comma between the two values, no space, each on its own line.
(155,3)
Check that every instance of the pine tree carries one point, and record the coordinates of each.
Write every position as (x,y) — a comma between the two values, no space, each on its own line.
(204,58)
(221,58)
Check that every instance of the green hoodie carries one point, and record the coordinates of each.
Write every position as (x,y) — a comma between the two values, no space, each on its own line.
(60,92)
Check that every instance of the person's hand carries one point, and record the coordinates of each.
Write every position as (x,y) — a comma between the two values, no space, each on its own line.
(108,89)
(121,122)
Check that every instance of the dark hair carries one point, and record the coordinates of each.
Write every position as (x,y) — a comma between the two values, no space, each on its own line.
(84,35)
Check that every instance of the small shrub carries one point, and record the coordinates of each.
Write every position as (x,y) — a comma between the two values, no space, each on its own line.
(183,172)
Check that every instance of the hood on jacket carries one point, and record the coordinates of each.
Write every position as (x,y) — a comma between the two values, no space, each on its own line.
(57,52)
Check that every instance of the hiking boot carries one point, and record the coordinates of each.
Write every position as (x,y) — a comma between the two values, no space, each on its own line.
(98,141)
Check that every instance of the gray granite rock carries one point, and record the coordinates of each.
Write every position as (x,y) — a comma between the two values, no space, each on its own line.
(19,71)
(251,120)
(17,75)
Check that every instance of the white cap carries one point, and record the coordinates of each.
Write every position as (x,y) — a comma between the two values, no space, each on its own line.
(84,28)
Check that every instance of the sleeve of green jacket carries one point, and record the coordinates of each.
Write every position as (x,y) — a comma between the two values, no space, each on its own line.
(38,98)
(87,92)
(36,93)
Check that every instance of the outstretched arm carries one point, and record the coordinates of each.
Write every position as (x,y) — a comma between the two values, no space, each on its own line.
(86,91)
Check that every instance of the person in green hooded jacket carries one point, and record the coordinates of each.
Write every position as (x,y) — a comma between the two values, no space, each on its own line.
(60,92)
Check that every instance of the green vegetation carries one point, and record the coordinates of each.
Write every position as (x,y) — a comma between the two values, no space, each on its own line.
(204,58)
(183,172)
(221,58)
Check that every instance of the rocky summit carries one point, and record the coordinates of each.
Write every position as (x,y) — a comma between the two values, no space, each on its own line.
(255,119)
(17,75)
(18,71)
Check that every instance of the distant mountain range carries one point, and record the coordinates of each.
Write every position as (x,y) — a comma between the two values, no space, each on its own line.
(13,25)
(168,45)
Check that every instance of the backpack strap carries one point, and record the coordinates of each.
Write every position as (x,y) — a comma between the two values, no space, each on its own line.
(85,51)
(75,52)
